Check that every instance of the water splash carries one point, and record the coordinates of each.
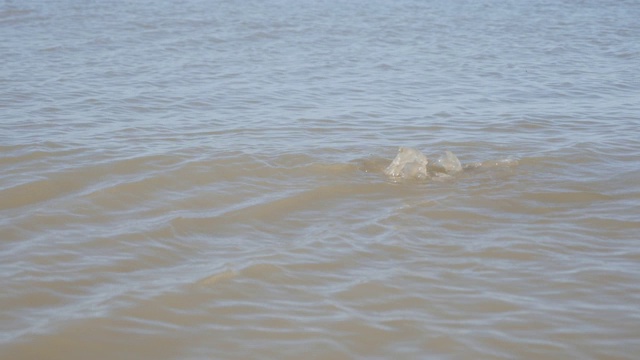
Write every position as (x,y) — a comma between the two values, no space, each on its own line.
(409,163)
(448,163)
(412,164)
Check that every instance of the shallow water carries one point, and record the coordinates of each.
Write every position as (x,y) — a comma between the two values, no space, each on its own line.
(201,180)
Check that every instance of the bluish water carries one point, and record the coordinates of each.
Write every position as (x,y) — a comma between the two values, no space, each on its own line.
(205,179)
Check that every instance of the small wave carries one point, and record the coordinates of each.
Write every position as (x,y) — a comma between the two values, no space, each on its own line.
(218,277)
(259,271)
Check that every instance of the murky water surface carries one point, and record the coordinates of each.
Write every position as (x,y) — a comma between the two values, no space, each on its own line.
(206,180)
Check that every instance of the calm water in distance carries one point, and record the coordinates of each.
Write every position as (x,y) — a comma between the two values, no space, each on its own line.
(205,179)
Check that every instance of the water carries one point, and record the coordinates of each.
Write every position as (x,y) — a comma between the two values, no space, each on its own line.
(205,180)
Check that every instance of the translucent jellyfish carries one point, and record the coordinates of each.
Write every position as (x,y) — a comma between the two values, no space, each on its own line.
(408,164)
